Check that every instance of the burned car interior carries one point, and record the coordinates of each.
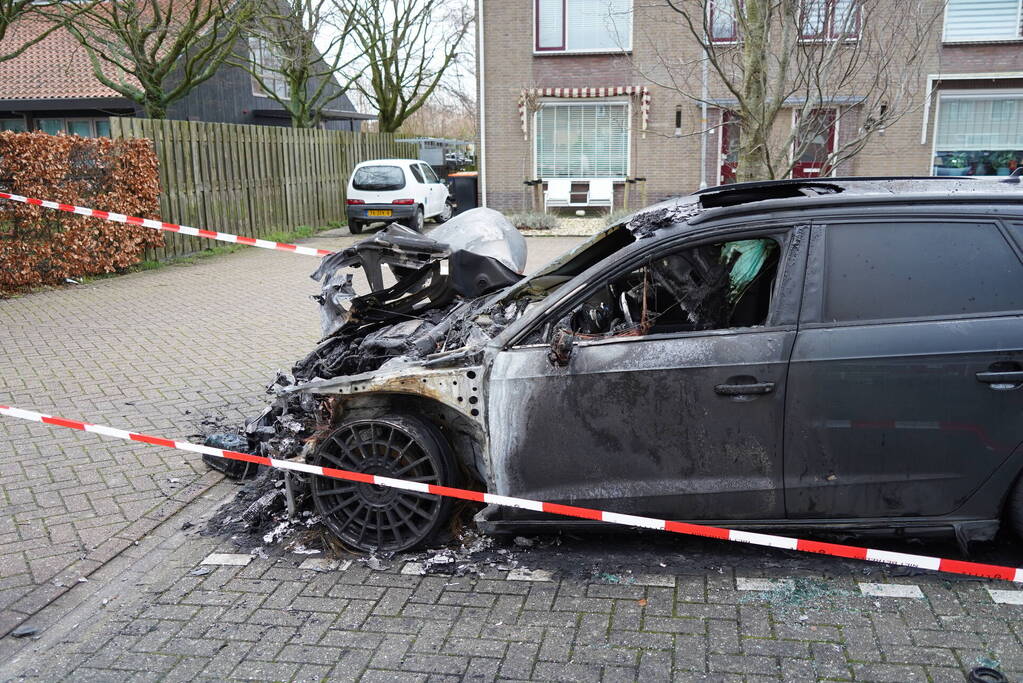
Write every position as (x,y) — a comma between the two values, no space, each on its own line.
(706,287)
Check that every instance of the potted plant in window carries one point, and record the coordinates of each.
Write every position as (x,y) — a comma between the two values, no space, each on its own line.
(1003,162)
(954,164)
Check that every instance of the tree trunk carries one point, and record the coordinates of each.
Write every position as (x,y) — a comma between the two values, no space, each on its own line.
(154,108)
(755,126)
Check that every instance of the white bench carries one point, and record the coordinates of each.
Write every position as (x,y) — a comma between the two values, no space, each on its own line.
(559,193)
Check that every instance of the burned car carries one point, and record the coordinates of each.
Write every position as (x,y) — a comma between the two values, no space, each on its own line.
(839,354)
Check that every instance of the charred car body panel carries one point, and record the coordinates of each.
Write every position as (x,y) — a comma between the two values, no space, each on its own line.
(683,363)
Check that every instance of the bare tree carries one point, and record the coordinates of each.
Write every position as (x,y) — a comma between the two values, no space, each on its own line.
(816,61)
(407,45)
(299,55)
(154,52)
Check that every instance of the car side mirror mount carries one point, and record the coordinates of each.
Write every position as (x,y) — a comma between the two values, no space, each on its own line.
(562,345)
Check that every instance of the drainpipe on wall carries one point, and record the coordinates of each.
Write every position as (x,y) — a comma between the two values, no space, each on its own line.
(703,124)
(481,162)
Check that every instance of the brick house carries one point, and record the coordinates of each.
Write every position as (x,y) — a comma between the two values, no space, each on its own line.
(553,71)
(51,87)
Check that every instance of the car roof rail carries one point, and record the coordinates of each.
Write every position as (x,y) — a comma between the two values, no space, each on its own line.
(1014,177)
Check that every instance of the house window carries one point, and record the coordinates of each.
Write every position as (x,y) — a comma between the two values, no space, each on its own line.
(830,19)
(583,25)
(15,125)
(266,63)
(978,134)
(86,128)
(983,20)
(722,23)
(588,140)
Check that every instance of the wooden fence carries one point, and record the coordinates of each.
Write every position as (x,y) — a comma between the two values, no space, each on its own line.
(251,180)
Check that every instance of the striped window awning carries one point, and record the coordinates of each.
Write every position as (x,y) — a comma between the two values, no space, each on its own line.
(531,94)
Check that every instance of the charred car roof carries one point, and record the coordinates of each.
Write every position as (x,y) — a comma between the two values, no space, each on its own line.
(726,201)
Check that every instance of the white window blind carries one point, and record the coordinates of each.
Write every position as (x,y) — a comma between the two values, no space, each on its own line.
(980,123)
(588,140)
(583,25)
(550,23)
(977,20)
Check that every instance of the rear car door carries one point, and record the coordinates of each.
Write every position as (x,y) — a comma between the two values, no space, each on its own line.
(904,386)
(680,419)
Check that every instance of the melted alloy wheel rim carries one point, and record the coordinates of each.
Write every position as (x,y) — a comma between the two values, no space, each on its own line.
(377,517)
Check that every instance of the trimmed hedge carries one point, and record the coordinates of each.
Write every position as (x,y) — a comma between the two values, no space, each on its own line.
(43,247)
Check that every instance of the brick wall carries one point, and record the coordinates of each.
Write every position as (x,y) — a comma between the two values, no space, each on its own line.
(672,164)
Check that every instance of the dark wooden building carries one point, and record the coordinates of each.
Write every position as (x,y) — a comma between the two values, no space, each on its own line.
(51,87)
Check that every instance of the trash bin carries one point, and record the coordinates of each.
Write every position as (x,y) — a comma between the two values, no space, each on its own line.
(465,190)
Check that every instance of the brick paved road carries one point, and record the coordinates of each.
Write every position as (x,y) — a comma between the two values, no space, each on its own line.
(156,352)
(626,607)
(617,608)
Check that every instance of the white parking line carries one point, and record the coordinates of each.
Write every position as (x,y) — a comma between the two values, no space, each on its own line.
(1006,597)
(526,574)
(325,564)
(891,590)
(658,580)
(227,559)
(756,584)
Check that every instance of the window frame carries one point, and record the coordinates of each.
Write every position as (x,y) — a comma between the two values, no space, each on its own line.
(593,101)
(711,37)
(564,49)
(21,121)
(783,313)
(1017,38)
(65,120)
(257,89)
(816,281)
(827,34)
(986,93)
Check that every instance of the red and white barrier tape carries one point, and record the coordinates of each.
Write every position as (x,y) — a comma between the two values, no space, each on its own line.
(988,571)
(169,227)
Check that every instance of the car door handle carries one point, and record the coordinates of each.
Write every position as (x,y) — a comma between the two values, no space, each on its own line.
(744,389)
(1009,377)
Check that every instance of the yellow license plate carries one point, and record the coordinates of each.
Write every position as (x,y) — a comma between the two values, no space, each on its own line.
(378,212)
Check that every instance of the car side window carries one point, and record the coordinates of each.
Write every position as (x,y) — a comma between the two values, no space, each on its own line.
(878,271)
(708,287)
(428,173)
(417,173)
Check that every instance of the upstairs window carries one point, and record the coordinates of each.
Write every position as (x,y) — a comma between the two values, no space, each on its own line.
(830,19)
(267,64)
(722,24)
(583,25)
(983,20)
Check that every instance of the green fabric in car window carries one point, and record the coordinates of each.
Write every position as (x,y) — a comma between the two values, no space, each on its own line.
(752,255)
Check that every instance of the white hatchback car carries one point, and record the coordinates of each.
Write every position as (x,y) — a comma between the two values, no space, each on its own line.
(393,190)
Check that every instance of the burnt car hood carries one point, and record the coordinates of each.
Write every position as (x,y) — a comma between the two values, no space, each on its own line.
(476,252)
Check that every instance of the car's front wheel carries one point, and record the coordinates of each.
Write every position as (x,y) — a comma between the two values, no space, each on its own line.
(370,517)
(446,213)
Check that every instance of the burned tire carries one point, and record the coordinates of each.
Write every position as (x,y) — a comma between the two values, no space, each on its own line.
(370,517)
